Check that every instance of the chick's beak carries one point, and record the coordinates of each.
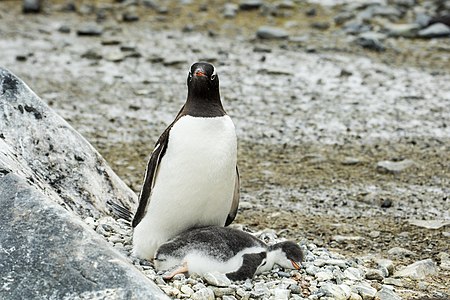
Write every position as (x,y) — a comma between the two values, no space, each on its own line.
(295,264)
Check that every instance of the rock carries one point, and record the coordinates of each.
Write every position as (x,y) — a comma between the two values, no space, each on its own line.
(54,156)
(436,30)
(31,6)
(371,40)
(353,274)
(92,54)
(418,270)
(324,276)
(365,290)
(400,252)
(356,27)
(430,224)
(393,281)
(250,4)
(336,291)
(349,161)
(220,291)
(346,238)
(51,253)
(271,33)
(387,293)
(386,263)
(394,167)
(281,294)
(402,30)
(227,297)
(217,279)
(64,29)
(130,16)
(89,30)
(311,12)
(343,17)
(204,294)
(230,10)
(374,274)
(320,25)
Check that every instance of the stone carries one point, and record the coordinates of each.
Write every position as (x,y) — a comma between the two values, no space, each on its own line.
(346,238)
(336,291)
(418,270)
(394,167)
(230,10)
(271,33)
(228,297)
(385,263)
(187,290)
(399,252)
(387,293)
(343,17)
(203,294)
(393,281)
(31,6)
(402,30)
(220,291)
(281,294)
(89,30)
(355,27)
(217,279)
(374,274)
(436,30)
(320,25)
(54,156)
(365,290)
(130,16)
(353,274)
(324,275)
(51,253)
(250,4)
(371,40)
(64,29)
(429,224)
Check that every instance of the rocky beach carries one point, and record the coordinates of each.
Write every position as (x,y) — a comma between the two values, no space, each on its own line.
(342,113)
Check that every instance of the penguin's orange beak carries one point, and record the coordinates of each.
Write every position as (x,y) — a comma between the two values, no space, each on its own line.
(295,264)
(199,73)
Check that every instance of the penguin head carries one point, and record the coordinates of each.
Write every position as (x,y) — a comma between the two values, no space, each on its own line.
(287,255)
(202,78)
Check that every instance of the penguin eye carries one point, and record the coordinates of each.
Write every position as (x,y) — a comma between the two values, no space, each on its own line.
(213,76)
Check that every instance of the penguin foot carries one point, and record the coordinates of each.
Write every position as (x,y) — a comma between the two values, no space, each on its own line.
(180,270)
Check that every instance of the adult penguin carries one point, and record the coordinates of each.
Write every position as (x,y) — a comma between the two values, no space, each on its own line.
(191,178)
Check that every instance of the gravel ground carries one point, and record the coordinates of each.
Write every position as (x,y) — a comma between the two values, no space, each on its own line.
(340,147)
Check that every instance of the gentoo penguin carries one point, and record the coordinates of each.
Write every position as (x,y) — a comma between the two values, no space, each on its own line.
(236,253)
(191,178)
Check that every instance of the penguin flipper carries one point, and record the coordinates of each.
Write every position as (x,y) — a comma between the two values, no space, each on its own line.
(150,176)
(120,211)
(235,204)
(250,263)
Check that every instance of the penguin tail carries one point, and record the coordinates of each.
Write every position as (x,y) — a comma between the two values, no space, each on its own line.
(119,211)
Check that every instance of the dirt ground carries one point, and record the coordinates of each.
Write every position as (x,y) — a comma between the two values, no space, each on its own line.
(339,205)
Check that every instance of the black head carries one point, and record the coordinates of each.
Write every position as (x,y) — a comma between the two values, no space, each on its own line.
(203,91)
(292,251)
(203,79)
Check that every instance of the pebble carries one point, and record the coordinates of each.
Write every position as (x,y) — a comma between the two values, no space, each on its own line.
(371,40)
(250,4)
(230,10)
(31,6)
(271,33)
(399,252)
(203,294)
(374,274)
(365,290)
(64,29)
(418,270)
(353,274)
(217,279)
(394,167)
(436,30)
(346,238)
(220,292)
(281,294)
(387,293)
(338,292)
(89,30)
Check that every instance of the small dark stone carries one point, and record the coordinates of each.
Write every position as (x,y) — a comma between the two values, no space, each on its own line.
(371,41)
(311,12)
(386,203)
(250,4)
(31,6)
(21,57)
(130,17)
(20,107)
(90,30)
(64,29)
(33,110)
(320,25)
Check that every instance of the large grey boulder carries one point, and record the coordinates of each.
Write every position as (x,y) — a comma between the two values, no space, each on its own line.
(50,179)
(52,155)
(47,253)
